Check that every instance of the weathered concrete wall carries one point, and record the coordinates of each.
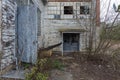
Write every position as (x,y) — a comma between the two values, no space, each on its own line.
(22,2)
(57,8)
(42,8)
(8,34)
(9,9)
(38,3)
(0,24)
(51,34)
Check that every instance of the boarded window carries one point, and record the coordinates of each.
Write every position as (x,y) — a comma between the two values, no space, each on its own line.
(84,10)
(56,16)
(68,9)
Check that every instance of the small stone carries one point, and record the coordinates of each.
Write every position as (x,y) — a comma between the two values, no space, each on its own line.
(99,66)
(81,78)
(61,75)
(108,66)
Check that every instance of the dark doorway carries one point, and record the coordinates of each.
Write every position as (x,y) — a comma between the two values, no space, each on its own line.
(70,42)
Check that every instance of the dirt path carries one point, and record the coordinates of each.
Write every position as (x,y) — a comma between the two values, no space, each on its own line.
(88,70)
(61,75)
(76,68)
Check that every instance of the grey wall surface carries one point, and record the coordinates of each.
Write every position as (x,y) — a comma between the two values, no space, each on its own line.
(9,8)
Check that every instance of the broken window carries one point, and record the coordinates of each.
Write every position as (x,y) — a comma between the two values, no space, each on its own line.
(68,9)
(84,10)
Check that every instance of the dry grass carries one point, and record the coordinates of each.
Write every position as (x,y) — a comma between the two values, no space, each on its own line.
(94,68)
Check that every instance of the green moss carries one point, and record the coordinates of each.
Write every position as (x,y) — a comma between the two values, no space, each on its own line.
(57,64)
(36,76)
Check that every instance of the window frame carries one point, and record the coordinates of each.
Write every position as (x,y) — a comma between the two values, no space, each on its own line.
(68,11)
(82,11)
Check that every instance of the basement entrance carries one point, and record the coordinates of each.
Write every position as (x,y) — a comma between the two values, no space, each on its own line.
(70,42)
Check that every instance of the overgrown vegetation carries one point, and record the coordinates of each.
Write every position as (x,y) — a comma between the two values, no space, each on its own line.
(40,70)
(26,65)
(34,74)
(57,65)
(116,58)
(114,34)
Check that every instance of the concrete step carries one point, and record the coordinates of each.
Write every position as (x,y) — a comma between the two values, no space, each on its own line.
(14,74)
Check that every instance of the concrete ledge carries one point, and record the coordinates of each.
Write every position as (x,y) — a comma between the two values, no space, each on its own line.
(6,69)
(14,74)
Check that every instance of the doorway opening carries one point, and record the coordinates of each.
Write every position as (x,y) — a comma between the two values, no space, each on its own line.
(71,42)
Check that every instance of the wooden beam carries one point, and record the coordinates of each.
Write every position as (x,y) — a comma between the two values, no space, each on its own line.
(50,47)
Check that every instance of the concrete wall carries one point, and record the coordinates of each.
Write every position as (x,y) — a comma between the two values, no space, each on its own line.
(58,9)
(0,23)
(42,7)
(51,34)
(40,16)
(8,37)
(9,8)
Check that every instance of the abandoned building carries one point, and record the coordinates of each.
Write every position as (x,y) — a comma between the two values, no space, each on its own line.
(69,21)
(31,24)
(21,23)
